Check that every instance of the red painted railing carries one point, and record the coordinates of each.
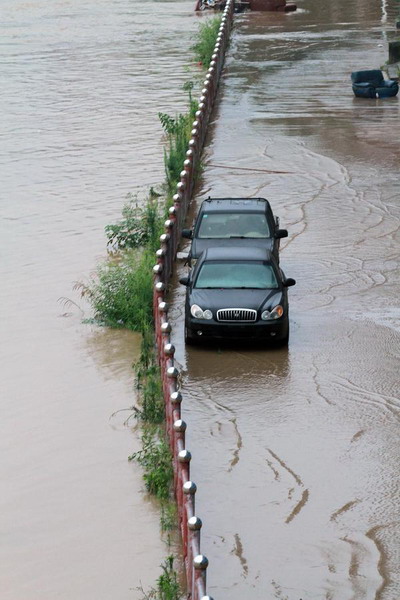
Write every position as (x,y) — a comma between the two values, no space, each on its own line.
(195,562)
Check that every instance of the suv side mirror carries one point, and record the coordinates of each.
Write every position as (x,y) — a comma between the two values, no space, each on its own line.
(187,233)
(184,280)
(281,233)
(289,282)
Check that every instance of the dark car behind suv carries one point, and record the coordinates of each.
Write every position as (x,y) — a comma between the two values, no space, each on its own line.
(239,222)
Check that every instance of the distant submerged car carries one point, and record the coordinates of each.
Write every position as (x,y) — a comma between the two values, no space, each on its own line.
(237,294)
(229,222)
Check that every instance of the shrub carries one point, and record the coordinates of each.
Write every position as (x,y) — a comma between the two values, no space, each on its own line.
(123,293)
(138,227)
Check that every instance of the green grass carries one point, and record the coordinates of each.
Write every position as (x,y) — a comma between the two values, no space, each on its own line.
(152,407)
(148,379)
(156,460)
(167,587)
(206,38)
(168,516)
(139,226)
(122,294)
(177,130)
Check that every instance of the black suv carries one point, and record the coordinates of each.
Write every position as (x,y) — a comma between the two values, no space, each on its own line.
(239,222)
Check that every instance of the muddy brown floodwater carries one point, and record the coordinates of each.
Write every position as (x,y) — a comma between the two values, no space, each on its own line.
(79,132)
(295,452)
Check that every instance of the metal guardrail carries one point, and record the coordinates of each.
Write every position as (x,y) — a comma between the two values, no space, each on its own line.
(190,525)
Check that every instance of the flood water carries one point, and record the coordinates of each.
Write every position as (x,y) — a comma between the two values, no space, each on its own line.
(295,452)
(79,132)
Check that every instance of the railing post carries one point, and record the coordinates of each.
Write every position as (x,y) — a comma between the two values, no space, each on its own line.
(200,563)
(193,546)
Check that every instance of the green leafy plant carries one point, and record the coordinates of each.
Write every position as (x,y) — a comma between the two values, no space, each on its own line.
(206,39)
(168,587)
(152,409)
(147,352)
(139,226)
(156,460)
(178,131)
(168,516)
(122,293)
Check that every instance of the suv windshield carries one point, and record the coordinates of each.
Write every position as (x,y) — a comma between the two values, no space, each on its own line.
(231,225)
(243,274)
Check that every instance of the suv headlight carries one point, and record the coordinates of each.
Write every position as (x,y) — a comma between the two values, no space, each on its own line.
(199,313)
(275,313)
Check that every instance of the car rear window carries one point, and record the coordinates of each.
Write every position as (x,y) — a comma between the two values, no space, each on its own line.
(233,225)
(236,275)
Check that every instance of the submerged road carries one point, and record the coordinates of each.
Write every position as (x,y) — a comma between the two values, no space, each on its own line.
(296,451)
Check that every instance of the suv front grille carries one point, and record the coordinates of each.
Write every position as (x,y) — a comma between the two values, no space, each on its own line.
(236,314)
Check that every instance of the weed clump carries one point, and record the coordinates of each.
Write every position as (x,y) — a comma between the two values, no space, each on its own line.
(168,516)
(152,408)
(206,38)
(156,460)
(122,294)
(139,226)
(148,380)
(167,587)
(178,132)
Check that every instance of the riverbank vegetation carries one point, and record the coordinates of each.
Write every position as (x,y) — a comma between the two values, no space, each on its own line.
(167,587)
(121,295)
(203,49)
